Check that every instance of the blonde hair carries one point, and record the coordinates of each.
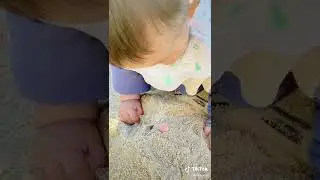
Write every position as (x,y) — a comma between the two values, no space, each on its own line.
(127,25)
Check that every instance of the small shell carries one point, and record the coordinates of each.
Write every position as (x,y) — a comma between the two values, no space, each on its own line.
(163,127)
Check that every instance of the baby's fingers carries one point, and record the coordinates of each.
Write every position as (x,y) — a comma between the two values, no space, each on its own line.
(140,109)
(134,116)
(125,118)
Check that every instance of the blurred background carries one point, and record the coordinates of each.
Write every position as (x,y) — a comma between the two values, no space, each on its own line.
(15,115)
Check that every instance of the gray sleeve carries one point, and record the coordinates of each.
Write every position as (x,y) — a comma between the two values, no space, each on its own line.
(56,65)
(128,82)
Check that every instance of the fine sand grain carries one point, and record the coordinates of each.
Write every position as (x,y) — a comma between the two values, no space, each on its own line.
(143,152)
(244,147)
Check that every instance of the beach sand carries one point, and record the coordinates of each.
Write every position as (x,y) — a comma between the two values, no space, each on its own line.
(244,146)
(142,151)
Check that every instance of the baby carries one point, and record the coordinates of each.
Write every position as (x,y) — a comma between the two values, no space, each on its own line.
(160,43)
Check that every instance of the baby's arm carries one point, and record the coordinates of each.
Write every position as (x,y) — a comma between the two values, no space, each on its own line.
(129,85)
(126,82)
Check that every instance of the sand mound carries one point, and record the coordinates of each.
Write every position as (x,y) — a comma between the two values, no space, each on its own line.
(244,146)
(143,152)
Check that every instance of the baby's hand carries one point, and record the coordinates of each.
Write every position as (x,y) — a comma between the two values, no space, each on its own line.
(130,109)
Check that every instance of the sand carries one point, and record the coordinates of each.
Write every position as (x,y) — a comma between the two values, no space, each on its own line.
(243,146)
(143,152)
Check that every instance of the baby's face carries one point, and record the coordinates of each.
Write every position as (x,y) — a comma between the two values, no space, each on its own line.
(166,47)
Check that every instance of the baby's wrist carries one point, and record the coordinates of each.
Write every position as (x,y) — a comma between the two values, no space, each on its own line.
(130,97)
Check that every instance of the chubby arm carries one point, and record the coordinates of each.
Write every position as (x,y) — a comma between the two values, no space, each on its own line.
(126,82)
(129,85)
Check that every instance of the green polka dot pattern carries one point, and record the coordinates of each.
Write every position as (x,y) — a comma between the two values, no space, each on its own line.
(197,67)
(167,80)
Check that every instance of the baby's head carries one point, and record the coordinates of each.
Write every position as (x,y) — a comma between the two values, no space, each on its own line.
(144,33)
